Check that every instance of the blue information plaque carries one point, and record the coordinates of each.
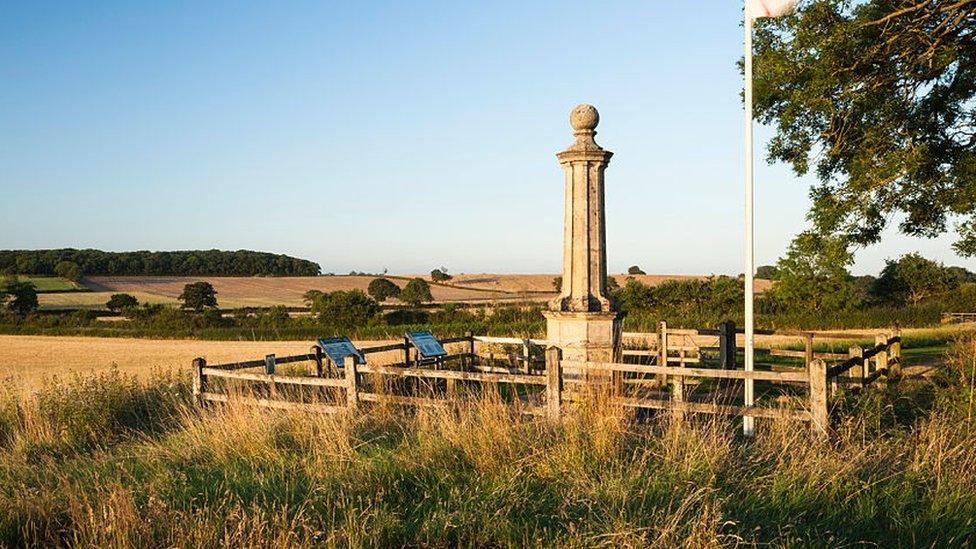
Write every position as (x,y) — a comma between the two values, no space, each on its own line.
(426,344)
(338,348)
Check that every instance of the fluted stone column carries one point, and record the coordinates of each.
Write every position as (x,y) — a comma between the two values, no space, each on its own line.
(582,320)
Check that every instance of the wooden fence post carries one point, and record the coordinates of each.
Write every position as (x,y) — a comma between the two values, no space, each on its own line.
(470,337)
(199,380)
(881,359)
(662,351)
(894,358)
(808,350)
(857,371)
(818,396)
(352,391)
(317,352)
(406,352)
(554,382)
(269,368)
(525,355)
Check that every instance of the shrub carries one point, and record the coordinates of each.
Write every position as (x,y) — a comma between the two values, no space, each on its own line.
(346,309)
(635,270)
(382,289)
(119,302)
(440,275)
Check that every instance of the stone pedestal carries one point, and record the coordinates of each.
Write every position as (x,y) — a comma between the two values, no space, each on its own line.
(583,321)
(585,337)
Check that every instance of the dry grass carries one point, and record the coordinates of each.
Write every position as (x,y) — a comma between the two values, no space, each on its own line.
(111,462)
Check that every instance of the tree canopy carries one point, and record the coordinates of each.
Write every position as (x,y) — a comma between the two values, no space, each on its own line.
(119,302)
(382,289)
(813,274)
(20,297)
(199,296)
(145,263)
(346,309)
(878,97)
(416,291)
(912,279)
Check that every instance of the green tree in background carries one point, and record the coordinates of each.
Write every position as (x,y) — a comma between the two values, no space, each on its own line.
(416,291)
(635,270)
(912,279)
(20,297)
(440,275)
(813,275)
(118,302)
(68,270)
(557,283)
(382,289)
(878,97)
(198,296)
(767,272)
(345,309)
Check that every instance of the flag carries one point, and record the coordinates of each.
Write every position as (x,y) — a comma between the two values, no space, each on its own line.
(756,9)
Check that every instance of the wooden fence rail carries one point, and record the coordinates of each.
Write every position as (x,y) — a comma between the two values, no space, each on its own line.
(357,383)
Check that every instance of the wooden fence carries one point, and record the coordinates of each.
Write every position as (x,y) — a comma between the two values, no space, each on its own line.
(329,389)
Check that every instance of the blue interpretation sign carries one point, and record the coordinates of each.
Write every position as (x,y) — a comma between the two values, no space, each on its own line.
(338,348)
(426,344)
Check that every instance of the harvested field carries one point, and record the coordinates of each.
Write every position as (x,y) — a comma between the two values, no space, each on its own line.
(27,360)
(234,292)
(268,291)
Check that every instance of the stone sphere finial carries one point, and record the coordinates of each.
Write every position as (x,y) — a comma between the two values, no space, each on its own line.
(584,118)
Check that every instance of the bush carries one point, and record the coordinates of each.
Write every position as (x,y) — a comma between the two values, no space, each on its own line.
(345,309)
(440,275)
(635,270)
(120,302)
(382,289)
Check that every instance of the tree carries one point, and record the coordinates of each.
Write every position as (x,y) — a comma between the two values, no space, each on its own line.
(118,302)
(311,296)
(382,289)
(911,279)
(635,270)
(879,98)
(416,291)
(813,275)
(767,272)
(347,309)
(198,296)
(20,297)
(440,275)
(557,283)
(68,270)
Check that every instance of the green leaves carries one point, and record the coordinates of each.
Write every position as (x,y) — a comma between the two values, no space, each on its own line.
(879,98)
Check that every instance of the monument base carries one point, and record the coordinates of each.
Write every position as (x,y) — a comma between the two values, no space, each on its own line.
(586,337)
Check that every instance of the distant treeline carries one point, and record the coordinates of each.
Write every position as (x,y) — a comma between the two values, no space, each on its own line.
(145,263)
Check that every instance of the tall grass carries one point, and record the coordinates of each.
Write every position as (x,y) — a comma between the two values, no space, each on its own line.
(115,462)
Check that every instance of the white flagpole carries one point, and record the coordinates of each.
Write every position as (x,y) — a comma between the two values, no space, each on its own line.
(748,422)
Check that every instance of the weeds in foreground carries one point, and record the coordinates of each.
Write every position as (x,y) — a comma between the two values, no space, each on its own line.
(114,462)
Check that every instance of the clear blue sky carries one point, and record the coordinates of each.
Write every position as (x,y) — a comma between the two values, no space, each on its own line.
(371,135)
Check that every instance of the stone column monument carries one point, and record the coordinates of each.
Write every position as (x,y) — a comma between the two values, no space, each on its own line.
(583,321)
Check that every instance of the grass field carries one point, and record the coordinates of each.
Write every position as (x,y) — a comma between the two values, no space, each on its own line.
(52,284)
(111,461)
